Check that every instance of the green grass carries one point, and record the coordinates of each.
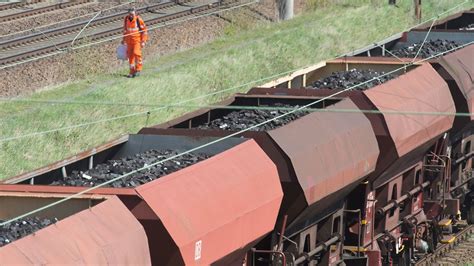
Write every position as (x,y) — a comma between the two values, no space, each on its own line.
(238,57)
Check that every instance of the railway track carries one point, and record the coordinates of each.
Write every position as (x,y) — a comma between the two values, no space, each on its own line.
(76,27)
(458,252)
(32,9)
(58,39)
(7,6)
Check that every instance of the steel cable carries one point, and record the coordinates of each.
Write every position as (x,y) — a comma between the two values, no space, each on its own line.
(256,108)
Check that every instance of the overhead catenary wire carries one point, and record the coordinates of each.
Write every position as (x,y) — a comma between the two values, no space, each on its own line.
(199,147)
(85,26)
(119,36)
(390,53)
(259,108)
(424,41)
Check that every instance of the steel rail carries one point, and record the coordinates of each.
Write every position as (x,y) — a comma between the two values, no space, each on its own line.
(40,10)
(77,26)
(7,6)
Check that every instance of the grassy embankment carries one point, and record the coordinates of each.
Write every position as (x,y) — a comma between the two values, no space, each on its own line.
(239,57)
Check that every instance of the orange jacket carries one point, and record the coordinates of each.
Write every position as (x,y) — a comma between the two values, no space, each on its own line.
(134,30)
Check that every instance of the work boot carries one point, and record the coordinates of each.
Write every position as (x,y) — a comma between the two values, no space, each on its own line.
(130,75)
(137,74)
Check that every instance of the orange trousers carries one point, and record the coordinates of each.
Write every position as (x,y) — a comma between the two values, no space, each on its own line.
(134,52)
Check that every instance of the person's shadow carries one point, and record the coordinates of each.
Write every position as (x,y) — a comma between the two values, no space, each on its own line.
(118,75)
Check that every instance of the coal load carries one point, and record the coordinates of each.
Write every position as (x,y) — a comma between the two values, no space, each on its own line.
(21,228)
(347,79)
(243,119)
(468,27)
(115,168)
(429,49)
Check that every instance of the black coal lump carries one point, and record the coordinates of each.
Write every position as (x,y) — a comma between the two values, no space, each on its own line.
(243,119)
(22,227)
(365,78)
(430,48)
(468,27)
(115,168)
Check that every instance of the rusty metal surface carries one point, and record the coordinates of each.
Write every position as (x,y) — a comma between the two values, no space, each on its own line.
(105,234)
(329,150)
(420,90)
(216,207)
(460,65)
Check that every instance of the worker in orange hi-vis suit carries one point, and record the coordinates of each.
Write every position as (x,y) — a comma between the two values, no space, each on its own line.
(135,36)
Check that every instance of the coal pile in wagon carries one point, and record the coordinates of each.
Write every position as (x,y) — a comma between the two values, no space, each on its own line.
(115,168)
(367,78)
(468,27)
(21,228)
(429,49)
(243,119)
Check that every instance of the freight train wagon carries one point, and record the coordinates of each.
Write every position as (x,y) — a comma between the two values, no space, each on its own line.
(191,207)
